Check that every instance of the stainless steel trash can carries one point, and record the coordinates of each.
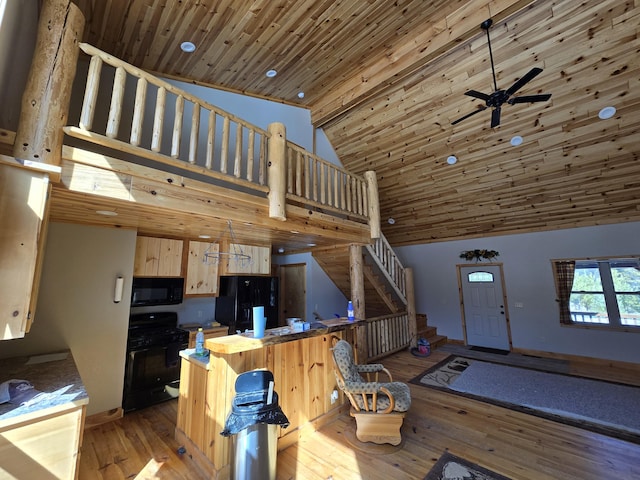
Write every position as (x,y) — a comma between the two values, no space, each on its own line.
(254,420)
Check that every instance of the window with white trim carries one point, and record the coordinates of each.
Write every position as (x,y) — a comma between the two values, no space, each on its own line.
(606,292)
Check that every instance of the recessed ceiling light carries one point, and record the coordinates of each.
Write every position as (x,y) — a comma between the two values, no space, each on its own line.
(204,236)
(300,94)
(311,244)
(517,140)
(281,250)
(451,160)
(187,47)
(607,112)
(271,73)
(391,220)
(107,213)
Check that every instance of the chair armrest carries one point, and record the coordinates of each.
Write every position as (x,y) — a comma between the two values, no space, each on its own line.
(373,368)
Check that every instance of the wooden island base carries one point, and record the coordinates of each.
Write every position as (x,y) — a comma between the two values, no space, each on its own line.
(304,380)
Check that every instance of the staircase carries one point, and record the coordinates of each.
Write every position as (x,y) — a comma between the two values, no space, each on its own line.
(384,286)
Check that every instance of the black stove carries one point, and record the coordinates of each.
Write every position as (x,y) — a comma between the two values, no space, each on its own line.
(152,370)
(158,328)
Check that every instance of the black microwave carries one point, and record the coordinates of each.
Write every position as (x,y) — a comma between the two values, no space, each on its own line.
(147,291)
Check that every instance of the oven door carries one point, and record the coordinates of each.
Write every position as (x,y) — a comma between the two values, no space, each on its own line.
(148,372)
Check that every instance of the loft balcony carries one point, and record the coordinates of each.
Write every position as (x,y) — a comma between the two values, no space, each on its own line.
(149,156)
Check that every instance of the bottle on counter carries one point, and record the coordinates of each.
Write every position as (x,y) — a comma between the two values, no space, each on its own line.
(200,343)
(350,315)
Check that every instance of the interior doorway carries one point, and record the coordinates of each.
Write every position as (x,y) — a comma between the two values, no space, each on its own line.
(293,291)
(485,318)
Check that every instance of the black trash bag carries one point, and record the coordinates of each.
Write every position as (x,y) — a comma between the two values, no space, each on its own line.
(250,405)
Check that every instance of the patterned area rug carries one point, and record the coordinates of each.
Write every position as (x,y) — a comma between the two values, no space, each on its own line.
(603,407)
(450,467)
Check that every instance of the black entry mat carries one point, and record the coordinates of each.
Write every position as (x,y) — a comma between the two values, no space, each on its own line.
(490,350)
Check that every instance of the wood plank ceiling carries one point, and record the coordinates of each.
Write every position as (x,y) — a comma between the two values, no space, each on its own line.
(386,79)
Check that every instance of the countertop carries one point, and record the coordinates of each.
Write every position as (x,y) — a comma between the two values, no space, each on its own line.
(245,341)
(55,375)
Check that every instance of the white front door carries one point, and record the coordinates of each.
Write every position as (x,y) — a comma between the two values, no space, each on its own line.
(485,315)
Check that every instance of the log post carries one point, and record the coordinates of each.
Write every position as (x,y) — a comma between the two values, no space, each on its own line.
(356,273)
(374,203)
(411,306)
(277,171)
(45,101)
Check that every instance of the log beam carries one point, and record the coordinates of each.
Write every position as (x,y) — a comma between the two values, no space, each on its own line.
(356,272)
(277,166)
(45,101)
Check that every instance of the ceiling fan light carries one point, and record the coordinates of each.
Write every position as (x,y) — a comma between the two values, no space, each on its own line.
(451,160)
(607,112)
(516,140)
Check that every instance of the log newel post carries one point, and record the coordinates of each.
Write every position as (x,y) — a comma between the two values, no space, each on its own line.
(411,306)
(46,97)
(356,273)
(374,203)
(276,171)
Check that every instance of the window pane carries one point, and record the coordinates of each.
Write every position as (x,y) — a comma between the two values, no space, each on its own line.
(485,277)
(587,280)
(626,278)
(629,306)
(588,308)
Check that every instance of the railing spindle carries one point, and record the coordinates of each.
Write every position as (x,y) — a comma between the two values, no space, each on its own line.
(158,120)
(211,139)
(250,154)
(177,127)
(91,93)
(238,152)
(195,130)
(115,109)
(224,151)
(138,112)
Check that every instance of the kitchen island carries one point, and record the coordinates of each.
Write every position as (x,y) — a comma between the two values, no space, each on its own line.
(303,376)
(41,438)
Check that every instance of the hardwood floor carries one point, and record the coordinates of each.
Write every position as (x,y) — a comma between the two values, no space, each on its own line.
(520,446)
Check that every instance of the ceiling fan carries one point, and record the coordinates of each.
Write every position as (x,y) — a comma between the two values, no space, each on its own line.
(499,97)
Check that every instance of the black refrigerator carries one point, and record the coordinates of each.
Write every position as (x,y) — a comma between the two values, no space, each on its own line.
(239,294)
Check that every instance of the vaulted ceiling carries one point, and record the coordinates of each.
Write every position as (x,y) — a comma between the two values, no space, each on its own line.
(385,79)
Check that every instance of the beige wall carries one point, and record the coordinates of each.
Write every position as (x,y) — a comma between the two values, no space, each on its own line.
(76,310)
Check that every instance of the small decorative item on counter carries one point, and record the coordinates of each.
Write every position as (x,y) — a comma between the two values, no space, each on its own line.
(200,351)
(479,254)
(350,315)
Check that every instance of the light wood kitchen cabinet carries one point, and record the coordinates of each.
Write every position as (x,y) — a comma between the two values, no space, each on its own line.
(259,263)
(158,257)
(24,214)
(201,278)
(209,332)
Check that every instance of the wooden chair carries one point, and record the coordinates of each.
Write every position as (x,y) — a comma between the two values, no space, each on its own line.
(378,407)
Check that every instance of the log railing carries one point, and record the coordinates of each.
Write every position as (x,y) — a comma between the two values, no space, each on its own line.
(387,334)
(390,265)
(200,136)
(128,110)
(314,181)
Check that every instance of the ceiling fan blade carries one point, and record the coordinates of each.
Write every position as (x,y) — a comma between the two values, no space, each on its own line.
(530,75)
(529,99)
(469,114)
(476,94)
(495,117)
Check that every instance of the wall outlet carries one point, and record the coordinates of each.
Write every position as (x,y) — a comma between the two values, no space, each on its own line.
(334,397)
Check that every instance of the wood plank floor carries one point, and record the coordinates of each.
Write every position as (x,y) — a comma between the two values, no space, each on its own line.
(523,447)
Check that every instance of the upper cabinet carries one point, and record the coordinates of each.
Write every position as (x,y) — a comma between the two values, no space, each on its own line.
(256,261)
(23,222)
(201,277)
(158,257)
